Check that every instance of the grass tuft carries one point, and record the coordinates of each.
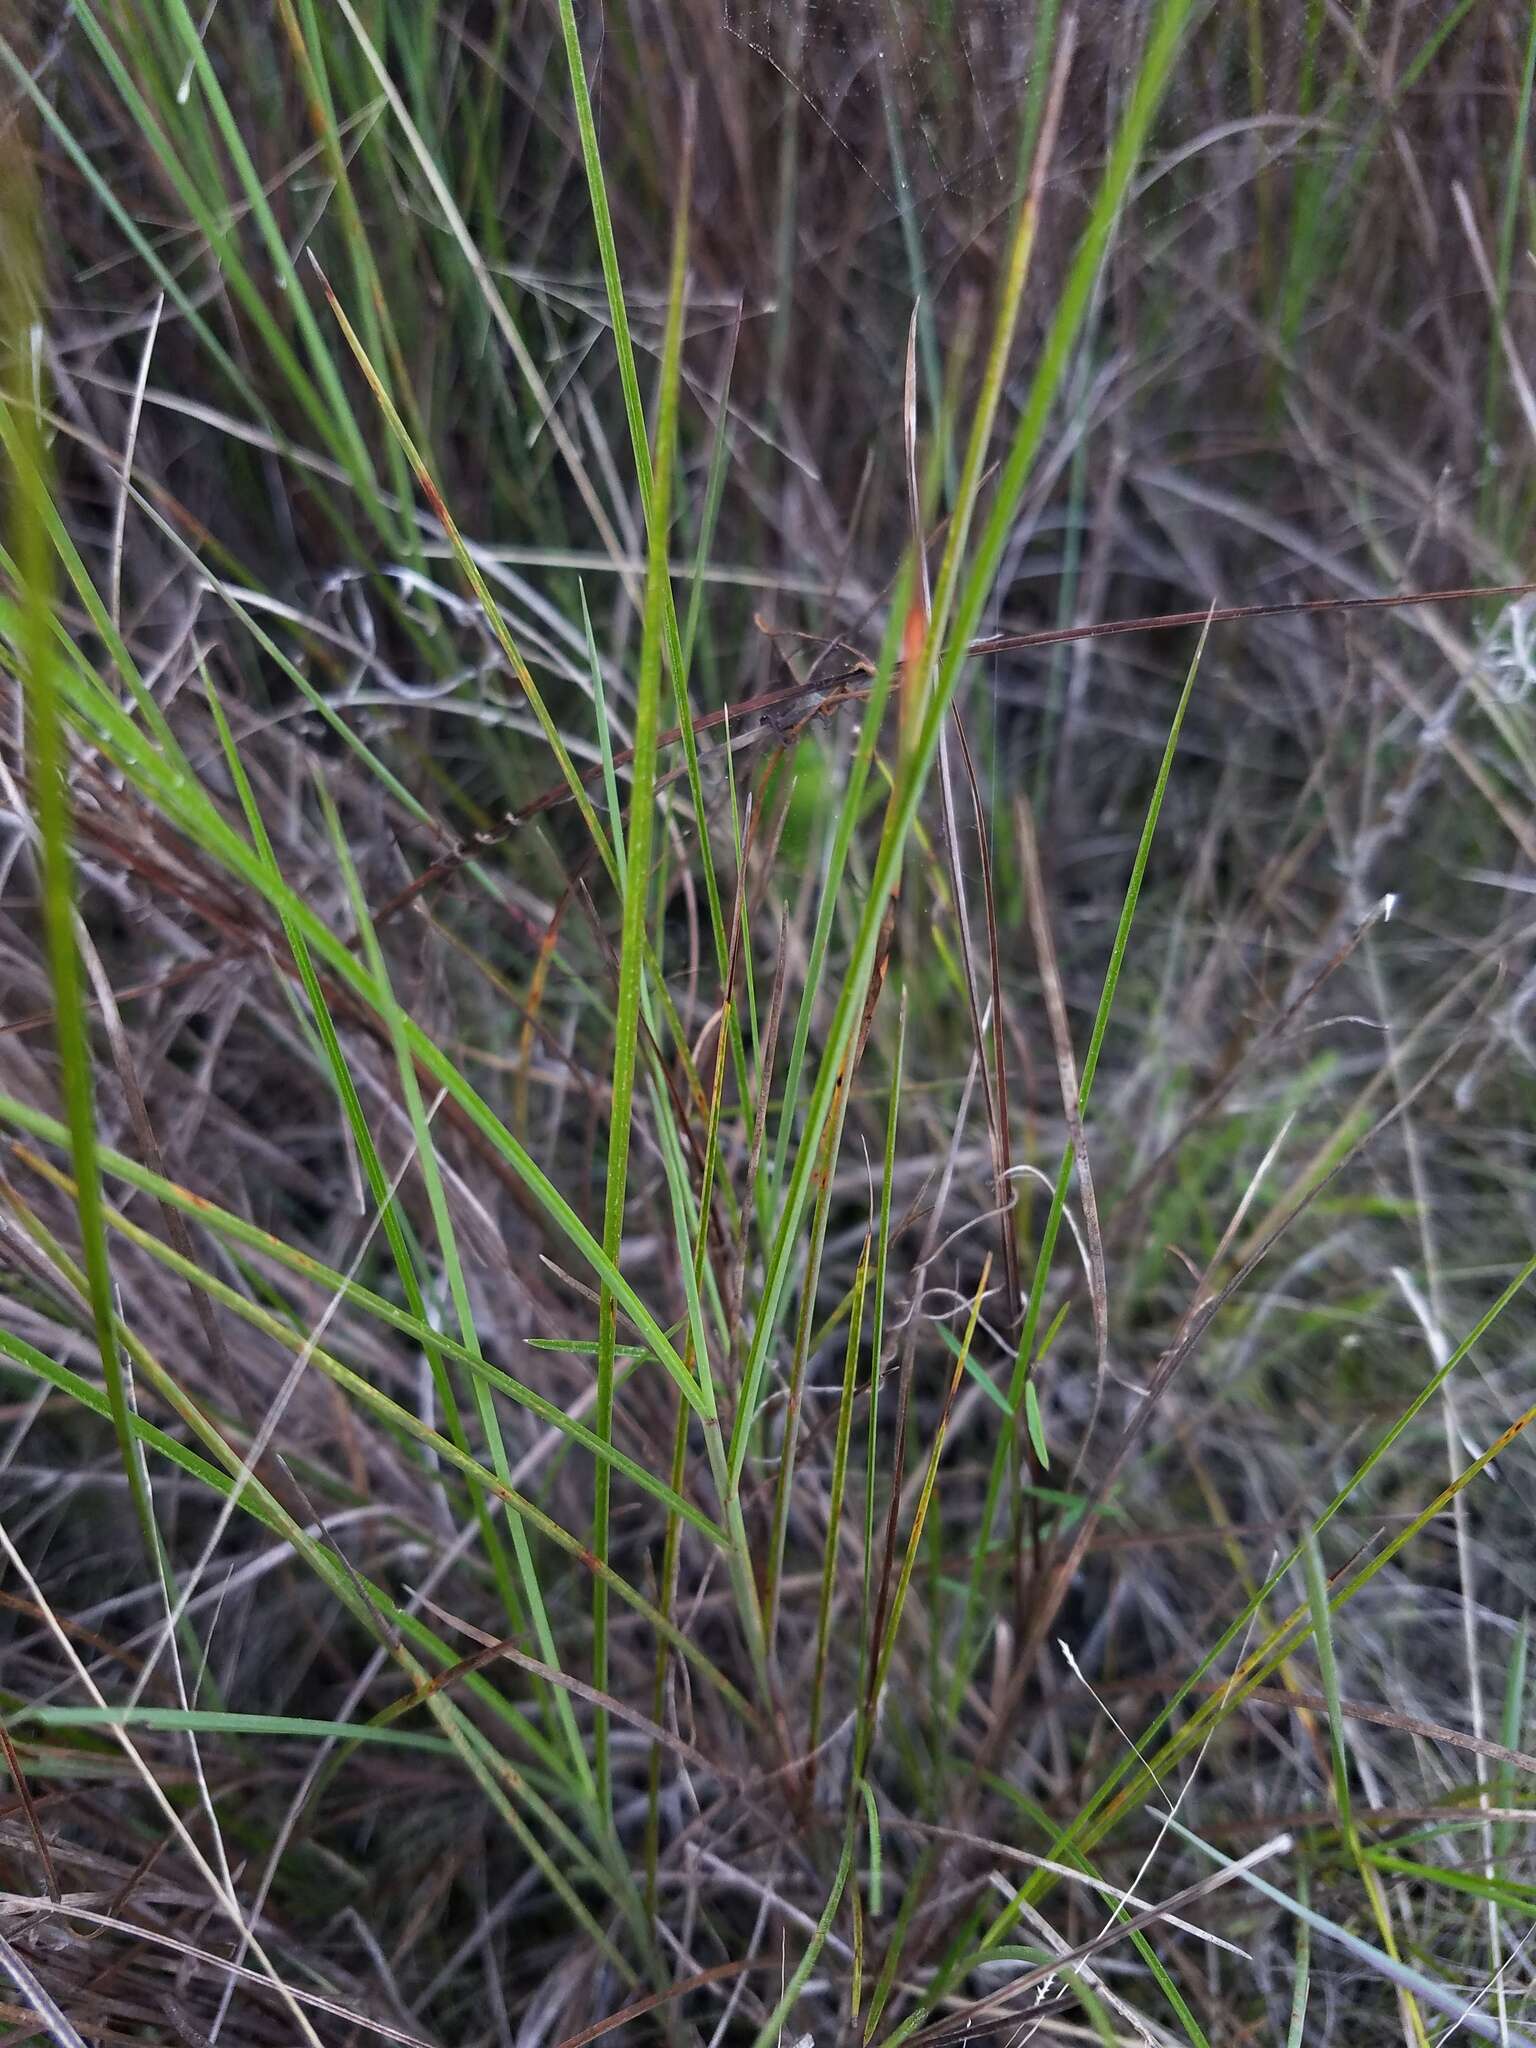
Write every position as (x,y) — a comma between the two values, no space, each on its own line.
(766,927)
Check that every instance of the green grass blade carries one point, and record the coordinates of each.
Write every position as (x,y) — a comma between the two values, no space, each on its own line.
(654,501)
(1322,1636)
(769,2033)
(632,954)
(425,1147)
(48,768)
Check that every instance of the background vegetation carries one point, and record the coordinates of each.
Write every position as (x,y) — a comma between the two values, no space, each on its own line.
(866,1378)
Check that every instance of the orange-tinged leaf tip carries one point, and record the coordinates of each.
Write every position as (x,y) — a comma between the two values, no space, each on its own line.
(914,633)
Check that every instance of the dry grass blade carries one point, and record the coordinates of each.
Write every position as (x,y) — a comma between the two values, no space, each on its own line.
(1410,1983)
(1055,1000)
(209,1960)
(1519,380)
(39,2003)
(29,1813)
(998,2003)
(1390,1717)
(827,695)
(999,1113)
(721,1973)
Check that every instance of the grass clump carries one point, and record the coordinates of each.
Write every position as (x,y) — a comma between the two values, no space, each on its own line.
(748,1293)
